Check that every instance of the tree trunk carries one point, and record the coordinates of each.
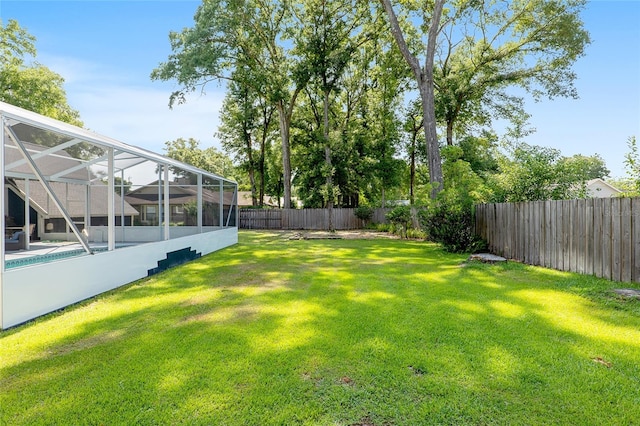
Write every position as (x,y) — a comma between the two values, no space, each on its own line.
(430,133)
(327,158)
(262,162)
(285,123)
(449,132)
(424,78)
(427,93)
(412,179)
(252,177)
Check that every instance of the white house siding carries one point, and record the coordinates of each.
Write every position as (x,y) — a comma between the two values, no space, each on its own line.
(597,188)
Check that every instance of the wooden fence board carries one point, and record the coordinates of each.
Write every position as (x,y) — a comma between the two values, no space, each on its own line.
(546,250)
(509,213)
(493,233)
(528,235)
(579,237)
(635,242)
(557,235)
(588,237)
(565,235)
(524,244)
(607,246)
(519,223)
(598,244)
(626,251)
(575,235)
(615,239)
(534,235)
(572,244)
(504,240)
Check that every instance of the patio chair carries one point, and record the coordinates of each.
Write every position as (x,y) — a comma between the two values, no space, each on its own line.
(18,241)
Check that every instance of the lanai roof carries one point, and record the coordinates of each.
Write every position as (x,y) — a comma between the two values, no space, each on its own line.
(30,127)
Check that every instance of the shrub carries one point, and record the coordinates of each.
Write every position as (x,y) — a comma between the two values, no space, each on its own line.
(451,225)
(382,227)
(400,217)
(364,213)
(418,234)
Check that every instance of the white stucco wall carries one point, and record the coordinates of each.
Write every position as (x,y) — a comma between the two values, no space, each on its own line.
(42,288)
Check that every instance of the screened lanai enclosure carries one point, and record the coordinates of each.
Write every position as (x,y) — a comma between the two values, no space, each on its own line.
(84,213)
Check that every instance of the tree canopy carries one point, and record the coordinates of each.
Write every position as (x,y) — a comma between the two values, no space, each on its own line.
(361,97)
(209,159)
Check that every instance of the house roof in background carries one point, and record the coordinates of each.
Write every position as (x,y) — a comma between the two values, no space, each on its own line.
(178,194)
(244,199)
(74,196)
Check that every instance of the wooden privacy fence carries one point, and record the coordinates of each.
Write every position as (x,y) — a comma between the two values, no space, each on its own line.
(308,219)
(599,236)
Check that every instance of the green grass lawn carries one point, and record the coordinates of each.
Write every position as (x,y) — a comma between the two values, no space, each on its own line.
(332,332)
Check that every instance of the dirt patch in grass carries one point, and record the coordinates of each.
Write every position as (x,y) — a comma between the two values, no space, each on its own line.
(368,421)
(88,342)
(356,234)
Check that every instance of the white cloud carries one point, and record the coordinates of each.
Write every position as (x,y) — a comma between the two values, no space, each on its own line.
(111,104)
(140,116)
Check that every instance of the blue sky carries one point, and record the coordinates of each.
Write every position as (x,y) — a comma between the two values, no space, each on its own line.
(106,50)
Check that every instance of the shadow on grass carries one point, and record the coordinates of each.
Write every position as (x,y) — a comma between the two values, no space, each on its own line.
(332,332)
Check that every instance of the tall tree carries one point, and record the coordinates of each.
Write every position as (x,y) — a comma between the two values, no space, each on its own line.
(246,130)
(390,80)
(412,127)
(228,34)
(327,43)
(423,74)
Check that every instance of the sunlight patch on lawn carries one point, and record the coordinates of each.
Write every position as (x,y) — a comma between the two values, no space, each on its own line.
(205,404)
(500,362)
(34,341)
(175,379)
(506,309)
(572,313)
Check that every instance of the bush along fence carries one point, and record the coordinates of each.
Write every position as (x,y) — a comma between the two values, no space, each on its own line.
(307,219)
(599,236)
